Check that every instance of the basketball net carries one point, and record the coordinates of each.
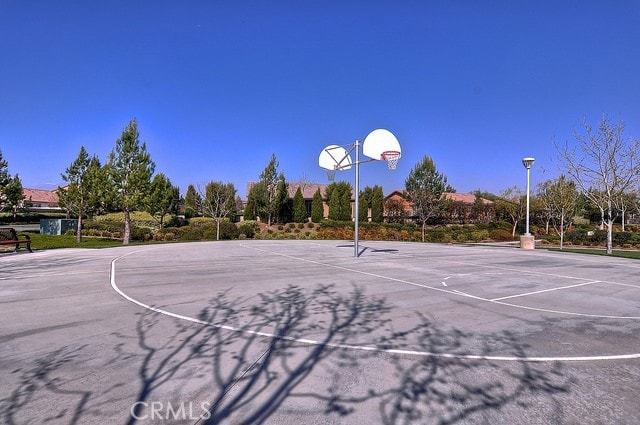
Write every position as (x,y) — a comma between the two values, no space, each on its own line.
(331,174)
(392,158)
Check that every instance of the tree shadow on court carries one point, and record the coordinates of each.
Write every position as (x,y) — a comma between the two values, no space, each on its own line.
(251,374)
(291,352)
(35,384)
(453,384)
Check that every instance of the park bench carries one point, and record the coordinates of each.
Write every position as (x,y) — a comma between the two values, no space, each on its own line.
(8,236)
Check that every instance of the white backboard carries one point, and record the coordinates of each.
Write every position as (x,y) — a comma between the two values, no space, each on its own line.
(334,157)
(379,141)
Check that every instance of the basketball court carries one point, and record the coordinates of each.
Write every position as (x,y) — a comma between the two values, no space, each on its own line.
(304,332)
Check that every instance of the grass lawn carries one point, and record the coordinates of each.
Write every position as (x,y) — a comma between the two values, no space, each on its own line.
(39,241)
(601,251)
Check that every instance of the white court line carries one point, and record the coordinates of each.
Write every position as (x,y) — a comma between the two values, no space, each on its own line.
(362,347)
(544,290)
(455,291)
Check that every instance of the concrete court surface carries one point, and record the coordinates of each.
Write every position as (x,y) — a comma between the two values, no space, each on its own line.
(293,332)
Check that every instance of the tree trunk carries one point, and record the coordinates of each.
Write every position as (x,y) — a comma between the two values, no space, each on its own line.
(79,230)
(218,229)
(127,228)
(424,223)
(609,230)
(610,237)
(561,230)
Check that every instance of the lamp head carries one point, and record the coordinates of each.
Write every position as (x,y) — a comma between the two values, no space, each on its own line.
(528,162)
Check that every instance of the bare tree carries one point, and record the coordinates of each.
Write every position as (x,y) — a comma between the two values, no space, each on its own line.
(511,203)
(624,203)
(559,198)
(604,165)
(394,211)
(218,202)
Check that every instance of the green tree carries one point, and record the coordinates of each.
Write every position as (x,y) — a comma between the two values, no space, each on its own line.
(219,202)
(334,206)
(4,175)
(5,179)
(192,202)
(364,203)
(317,207)
(270,202)
(130,170)
(425,186)
(283,204)
(339,196)
(80,195)
(256,202)
(377,204)
(250,209)
(163,198)
(299,207)
(14,195)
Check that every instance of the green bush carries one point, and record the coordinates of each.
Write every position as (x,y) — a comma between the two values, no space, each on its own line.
(501,235)
(228,230)
(248,228)
(200,221)
(621,238)
(7,217)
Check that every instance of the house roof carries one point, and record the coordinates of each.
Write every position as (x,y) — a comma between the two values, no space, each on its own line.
(40,195)
(308,189)
(466,198)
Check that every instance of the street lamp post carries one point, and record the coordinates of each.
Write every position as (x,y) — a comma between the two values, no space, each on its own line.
(527,241)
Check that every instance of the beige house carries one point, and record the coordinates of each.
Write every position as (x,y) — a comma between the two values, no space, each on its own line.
(40,200)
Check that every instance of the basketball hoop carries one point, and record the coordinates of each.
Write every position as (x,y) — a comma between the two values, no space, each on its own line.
(392,158)
(331,174)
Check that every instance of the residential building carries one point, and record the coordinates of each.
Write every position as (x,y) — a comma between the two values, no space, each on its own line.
(460,208)
(40,200)
(308,190)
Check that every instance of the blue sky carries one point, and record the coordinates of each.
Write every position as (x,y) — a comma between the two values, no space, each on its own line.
(218,86)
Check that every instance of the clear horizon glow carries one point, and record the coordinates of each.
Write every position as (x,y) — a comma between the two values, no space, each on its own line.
(217,87)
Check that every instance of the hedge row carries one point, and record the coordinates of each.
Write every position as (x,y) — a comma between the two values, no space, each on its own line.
(27,218)
(411,232)
(598,238)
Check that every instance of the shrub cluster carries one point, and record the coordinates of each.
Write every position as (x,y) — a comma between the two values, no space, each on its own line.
(599,238)
(114,230)
(330,229)
(7,218)
(198,231)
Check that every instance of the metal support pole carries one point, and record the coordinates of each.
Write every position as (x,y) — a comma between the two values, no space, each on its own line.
(357,205)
